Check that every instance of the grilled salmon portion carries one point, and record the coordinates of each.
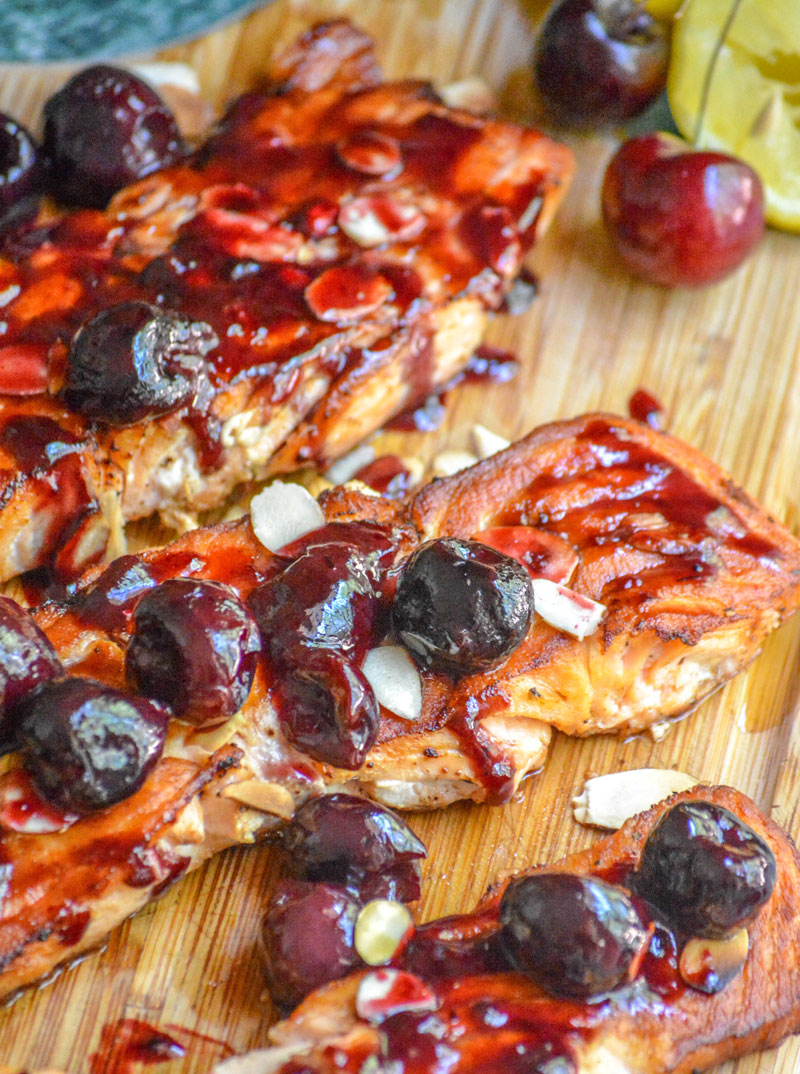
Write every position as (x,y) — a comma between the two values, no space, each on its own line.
(338,243)
(654,580)
(475,1013)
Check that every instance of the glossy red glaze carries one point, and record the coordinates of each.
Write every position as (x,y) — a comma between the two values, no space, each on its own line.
(544,554)
(606,460)
(487,364)
(22,808)
(644,407)
(387,474)
(130,1041)
(23,369)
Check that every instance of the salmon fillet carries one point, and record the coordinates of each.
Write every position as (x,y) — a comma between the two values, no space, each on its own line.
(494,1019)
(689,573)
(342,239)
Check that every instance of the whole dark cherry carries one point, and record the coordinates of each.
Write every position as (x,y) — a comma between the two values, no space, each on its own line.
(705,870)
(307,935)
(327,708)
(355,843)
(679,216)
(21,173)
(135,361)
(104,129)
(462,605)
(86,745)
(325,599)
(26,659)
(599,62)
(318,618)
(195,646)
(574,935)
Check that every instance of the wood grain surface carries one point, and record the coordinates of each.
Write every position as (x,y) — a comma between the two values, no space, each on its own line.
(725,362)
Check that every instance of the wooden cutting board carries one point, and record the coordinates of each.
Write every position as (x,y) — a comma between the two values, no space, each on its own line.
(724,361)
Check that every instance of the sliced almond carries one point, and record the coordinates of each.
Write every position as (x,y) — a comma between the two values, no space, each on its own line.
(262,1060)
(447,463)
(348,465)
(486,442)
(565,609)
(608,801)
(385,992)
(381,927)
(471,94)
(346,293)
(709,965)
(395,680)
(371,152)
(168,74)
(266,797)
(282,513)
(374,219)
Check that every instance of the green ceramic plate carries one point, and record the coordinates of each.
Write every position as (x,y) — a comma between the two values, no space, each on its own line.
(41,31)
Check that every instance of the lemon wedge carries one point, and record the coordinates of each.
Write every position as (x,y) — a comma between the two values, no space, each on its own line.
(734,85)
(662,9)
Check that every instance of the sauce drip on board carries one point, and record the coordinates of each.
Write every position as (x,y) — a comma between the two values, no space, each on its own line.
(131,1041)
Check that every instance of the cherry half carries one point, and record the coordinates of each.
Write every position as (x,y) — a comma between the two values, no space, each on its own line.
(679,216)
(599,61)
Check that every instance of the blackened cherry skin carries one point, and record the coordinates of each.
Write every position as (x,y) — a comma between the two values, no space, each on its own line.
(599,62)
(678,216)
(21,173)
(355,843)
(462,605)
(26,659)
(308,938)
(135,361)
(574,935)
(195,646)
(104,129)
(86,745)
(705,870)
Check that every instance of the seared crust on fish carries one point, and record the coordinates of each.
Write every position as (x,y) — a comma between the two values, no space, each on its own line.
(686,575)
(651,1026)
(344,238)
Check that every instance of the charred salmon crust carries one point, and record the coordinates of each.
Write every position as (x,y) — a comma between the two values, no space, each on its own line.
(486,1021)
(337,244)
(691,573)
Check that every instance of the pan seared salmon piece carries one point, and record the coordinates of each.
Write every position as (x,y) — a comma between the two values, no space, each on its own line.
(653,579)
(642,1004)
(328,257)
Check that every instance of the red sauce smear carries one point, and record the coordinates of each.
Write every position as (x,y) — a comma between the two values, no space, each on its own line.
(387,474)
(129,1041)
(487,365)
(644,407)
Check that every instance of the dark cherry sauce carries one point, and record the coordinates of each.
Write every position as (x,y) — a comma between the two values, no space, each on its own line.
(71,926)
(156,866)
(646,408)
(387,474)
(130,1041)
(684,547)
(487,364)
